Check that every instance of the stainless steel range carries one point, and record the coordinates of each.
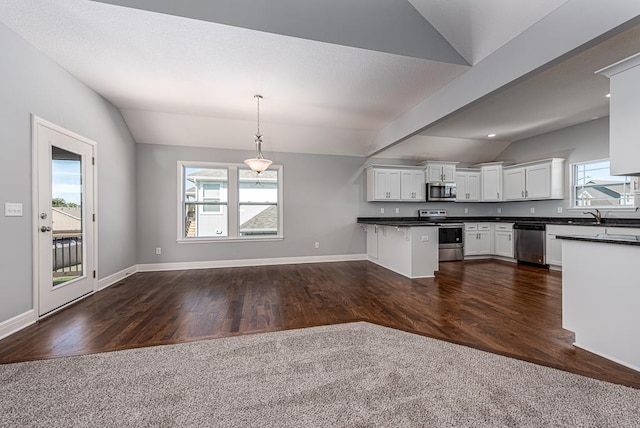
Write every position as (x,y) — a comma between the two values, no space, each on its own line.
(450,235)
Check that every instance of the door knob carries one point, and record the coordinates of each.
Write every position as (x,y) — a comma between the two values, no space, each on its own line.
(45,229)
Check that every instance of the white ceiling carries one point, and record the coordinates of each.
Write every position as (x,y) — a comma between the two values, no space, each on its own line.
(185,81)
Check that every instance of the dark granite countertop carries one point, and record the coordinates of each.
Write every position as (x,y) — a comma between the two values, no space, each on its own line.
(563,221)
(604,238)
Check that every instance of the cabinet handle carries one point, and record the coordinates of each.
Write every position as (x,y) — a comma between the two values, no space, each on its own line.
(526,193)
(523,193)
(498,195)
(509,237)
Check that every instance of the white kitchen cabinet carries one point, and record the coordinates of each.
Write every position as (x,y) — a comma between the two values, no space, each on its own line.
(503,239)
(412,185)
(399,184)
(468,185)
(477,239)
(441,171)
(491,181)
(553,249)
(624,111)
(534,181)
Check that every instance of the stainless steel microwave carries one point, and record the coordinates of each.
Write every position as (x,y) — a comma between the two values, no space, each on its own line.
(441,191)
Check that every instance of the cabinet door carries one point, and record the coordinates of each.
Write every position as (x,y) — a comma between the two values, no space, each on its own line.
(473,186)
(419,186)
(412,186)
(504,244)
(372,241)
(461,187)
(484,242)
(449,173)
(514,184)
(394,184)
(553,250)
(406,185)
(538,182)
(381,184)
(471,243)
(492,183)
(434,173)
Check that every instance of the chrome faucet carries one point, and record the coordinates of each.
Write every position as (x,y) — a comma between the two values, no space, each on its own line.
(596,215)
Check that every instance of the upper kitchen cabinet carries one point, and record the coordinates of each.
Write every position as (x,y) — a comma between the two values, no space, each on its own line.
(624,111)
(412,185)
(404,184)
(440,171)
(534,181)
(468,185)
(491,181)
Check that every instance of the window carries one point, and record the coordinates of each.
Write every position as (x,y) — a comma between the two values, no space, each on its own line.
(226,202)
(593,186)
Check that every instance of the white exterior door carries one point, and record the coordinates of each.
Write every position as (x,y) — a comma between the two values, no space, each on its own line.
(64,236)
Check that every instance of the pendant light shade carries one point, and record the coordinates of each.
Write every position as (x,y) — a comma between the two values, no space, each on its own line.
(259,163)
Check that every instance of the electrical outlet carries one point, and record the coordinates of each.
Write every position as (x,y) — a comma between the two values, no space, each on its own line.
(466,210)
(317,245)
(158,250)
(499,210)
(381,210)
(397,210)
(425,238)
(559,210)
(533,210)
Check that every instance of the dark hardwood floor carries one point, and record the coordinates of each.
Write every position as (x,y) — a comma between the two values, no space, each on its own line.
(499,307)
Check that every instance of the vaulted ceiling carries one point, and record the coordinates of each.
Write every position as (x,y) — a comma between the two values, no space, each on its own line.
(417,79)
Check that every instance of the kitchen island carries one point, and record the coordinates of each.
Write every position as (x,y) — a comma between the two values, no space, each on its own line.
(405,247)
(601,294)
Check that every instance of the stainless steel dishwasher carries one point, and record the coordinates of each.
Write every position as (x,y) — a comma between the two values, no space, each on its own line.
(530,242)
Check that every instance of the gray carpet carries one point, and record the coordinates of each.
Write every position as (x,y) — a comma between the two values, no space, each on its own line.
(351,375)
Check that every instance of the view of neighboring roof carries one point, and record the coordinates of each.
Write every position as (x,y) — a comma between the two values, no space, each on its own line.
(266,219)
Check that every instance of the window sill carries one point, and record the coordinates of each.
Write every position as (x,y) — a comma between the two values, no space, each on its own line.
(240,239)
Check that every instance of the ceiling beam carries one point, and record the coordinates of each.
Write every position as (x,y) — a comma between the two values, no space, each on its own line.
(389,26)
(574,26)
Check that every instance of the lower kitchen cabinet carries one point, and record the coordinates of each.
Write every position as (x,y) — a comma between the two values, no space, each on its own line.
(477,239)
(503,240)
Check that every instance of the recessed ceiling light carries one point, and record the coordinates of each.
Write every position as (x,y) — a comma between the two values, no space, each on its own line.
(491,135)
(608,96)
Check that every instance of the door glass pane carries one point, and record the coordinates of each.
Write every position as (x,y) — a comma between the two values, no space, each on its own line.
(66,215)
(205,199)
(258,202)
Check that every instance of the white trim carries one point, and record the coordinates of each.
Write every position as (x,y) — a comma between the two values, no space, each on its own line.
(17,323)
(156,267)
(116,277)
(377,262)
(620,66)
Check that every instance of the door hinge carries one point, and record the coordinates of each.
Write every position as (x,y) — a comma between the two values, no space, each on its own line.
(93,161)
(94,273)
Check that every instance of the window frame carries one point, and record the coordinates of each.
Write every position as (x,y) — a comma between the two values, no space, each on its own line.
(573,186)
(232,204)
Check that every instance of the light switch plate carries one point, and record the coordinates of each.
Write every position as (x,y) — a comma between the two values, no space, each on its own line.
(533,210)
(12,209)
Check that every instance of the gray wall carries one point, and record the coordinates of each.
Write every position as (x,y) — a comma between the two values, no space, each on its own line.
(31,83)
(579,143)
(321,199)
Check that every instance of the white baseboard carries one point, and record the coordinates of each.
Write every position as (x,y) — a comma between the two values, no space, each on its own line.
(16,323)
(116,277)
(154,267)
(608,357)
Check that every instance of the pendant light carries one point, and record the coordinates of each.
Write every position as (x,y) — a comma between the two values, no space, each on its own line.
(259,163)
